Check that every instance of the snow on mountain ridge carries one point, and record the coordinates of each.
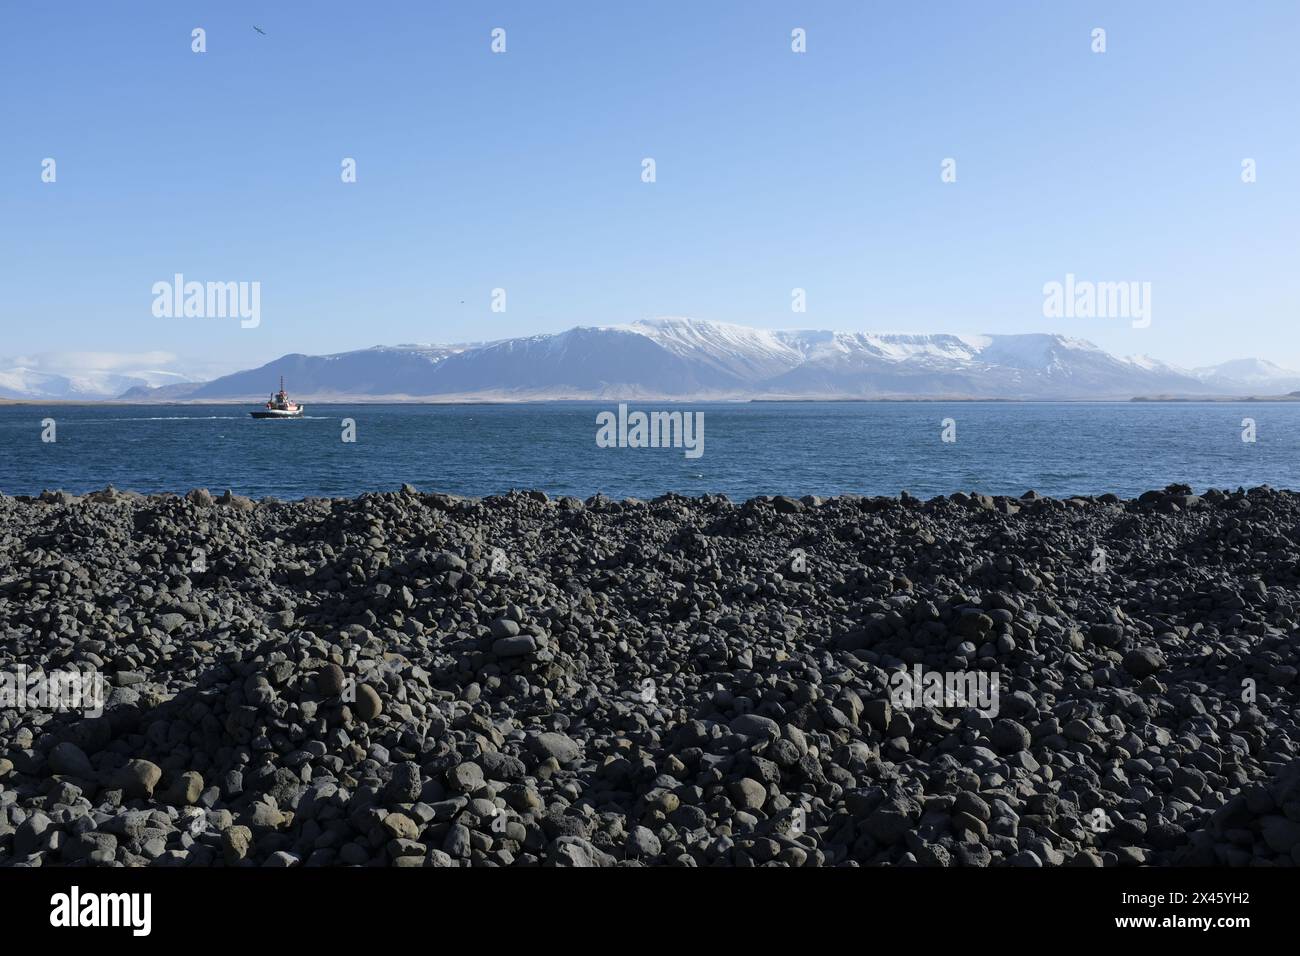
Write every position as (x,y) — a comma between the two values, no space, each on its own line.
(1245,370)
(790,346)
(1255,374)
(680,358)
(732,349)
(92,384)
(684,335)
(1151,364)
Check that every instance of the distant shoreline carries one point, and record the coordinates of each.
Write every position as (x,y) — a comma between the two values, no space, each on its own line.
(462,400)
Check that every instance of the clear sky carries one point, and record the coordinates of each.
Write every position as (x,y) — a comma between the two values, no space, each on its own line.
(523,170)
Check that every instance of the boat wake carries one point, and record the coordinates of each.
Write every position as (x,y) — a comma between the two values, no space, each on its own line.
(193,418)
(162,418)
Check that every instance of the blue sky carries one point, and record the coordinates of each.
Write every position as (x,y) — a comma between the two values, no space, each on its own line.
(522,171)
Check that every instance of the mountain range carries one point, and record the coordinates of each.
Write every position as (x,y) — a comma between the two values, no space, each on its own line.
(680,359)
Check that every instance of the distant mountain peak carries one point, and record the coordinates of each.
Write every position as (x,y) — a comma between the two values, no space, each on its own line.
(1248,373)
(1256,366)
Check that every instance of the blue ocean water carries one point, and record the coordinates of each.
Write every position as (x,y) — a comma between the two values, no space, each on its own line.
(793,448)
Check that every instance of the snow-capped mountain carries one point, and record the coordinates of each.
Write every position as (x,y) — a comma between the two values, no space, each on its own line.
(1026,366)
(671,358)
(734,351)
(693,359)
(382,370)
(80,383)
(1259,375)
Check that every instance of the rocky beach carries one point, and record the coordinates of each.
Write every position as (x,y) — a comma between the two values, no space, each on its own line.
(414,679)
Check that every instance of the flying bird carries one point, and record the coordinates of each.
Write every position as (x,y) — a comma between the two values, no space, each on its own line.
(259,29)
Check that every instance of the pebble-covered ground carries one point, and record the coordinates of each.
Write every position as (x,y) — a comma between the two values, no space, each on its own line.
(411,679)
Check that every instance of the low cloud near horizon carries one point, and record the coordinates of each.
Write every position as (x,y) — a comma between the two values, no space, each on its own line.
(123,363)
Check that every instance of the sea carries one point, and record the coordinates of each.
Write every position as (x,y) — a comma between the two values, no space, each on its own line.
(748,449)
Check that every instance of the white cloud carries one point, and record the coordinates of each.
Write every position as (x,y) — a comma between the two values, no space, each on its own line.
(78,364)
(92,361)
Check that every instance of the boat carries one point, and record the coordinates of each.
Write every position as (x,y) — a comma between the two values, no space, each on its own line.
(279,406)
